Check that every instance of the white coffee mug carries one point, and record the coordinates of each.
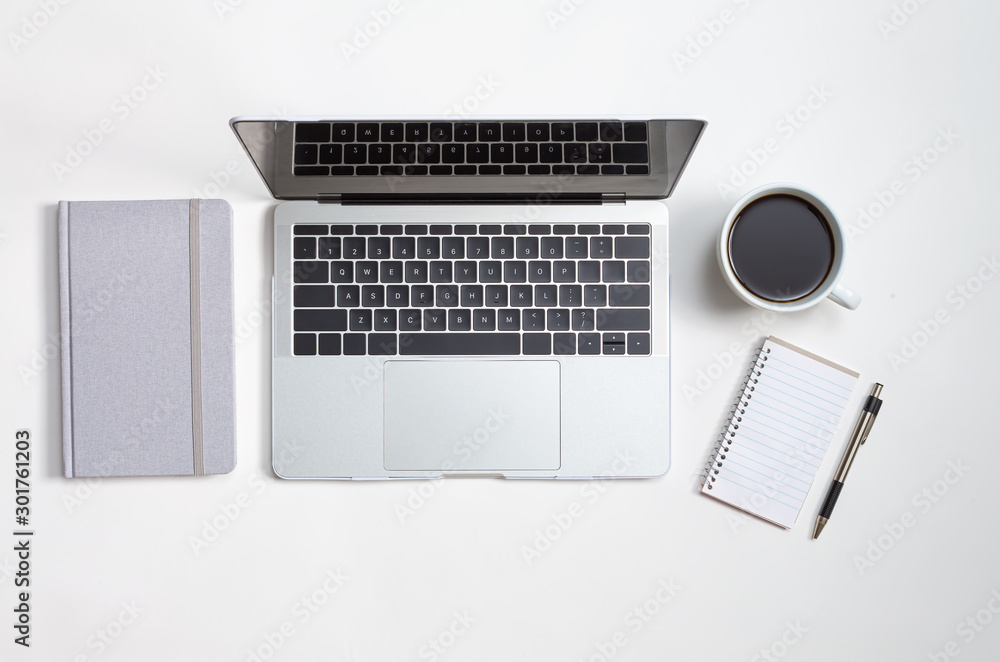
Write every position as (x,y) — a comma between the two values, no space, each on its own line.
(830,286)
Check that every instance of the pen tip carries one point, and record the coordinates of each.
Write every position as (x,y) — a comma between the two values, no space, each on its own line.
(820,523)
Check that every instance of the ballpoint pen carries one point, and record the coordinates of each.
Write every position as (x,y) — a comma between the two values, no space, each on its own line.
(858,437)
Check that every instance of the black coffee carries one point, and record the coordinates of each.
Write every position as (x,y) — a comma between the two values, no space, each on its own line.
(781,248)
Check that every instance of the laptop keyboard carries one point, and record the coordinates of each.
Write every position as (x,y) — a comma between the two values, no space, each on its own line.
(608,147)
(471,290)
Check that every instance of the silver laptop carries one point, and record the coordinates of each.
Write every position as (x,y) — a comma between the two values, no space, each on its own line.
(457,297)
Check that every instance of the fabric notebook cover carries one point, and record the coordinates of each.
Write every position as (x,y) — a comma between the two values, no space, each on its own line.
(146,306)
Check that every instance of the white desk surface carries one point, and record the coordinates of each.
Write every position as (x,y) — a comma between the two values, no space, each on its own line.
(114,573)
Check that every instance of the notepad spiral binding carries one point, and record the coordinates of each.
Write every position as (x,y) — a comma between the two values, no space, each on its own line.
(736,414)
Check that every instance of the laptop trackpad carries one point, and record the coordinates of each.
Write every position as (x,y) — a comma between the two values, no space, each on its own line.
(471,415)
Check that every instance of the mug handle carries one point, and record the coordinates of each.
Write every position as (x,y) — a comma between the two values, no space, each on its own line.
(845,296)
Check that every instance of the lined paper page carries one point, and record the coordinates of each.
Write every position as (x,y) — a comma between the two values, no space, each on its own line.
(781,438)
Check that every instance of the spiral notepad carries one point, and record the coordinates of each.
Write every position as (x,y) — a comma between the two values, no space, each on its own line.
(781,426)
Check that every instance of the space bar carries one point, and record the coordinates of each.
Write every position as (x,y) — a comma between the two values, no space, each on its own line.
(460,344)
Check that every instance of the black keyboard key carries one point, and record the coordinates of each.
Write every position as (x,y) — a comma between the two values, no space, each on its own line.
(378,248)
(613,343)
(453,153)
(538,229)
(348,296)
(496,296)
(414,170)
(502,153)
(404,248)
(382,344)
(550,153)
(435,319)
(538,131)
(526,153)
(526,248)
(430,153)
(404,153)
(521,295)
(599,152)
(342,272)
(390,229)
(613,271)
(312,132)
(552,247)
(614,229)
(631,153)
(539,170)
(353,248)
(410,320)
(311,171)
(562,131)
(576,247)
(310,229)
(537,344)
(304,344)
(583,319)
(361,320)
(612,170)
(636,170)
(515,271)
(368,132)
(331,154)
(490,271)
(611,131)
(391,171)
(453,248)
(635,131)
(502,248)
(564,271)
(490,170)
(513,132)
(466,229)
(477,153)
(509,319)
(460,319)
(484,320)
(588,229)
(412,230)
(637,271)
(459,344)
(514,170)
(379,153)
(466,271)
(372,296)
(466,132)
(355,154)
(304,248)
(306,154)
(632,247)
(354,344)
(557,319)
(489,132)
(429,248)
(341,171)
(314,296)
(343,132)
(588,344)
(416,132)
(472,296)
(570,296)
(637,344)
(589,271)
(628,295)
(441,132)
(311,272)
(446,296)
(588,170)
(331,319)
(601,247)
(595,296)
(422,296)
(546,295)
(478,248)
(440,272)
(638,228)
(390,271)
(586,131)
(575,153)
(560,169)
(397,296)
(329,344)
(564,344)
(533,319)
(491,229)
(440,230)
(540,272)
(623,319)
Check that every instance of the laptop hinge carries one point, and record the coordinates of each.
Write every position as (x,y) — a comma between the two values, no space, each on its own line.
(474,199)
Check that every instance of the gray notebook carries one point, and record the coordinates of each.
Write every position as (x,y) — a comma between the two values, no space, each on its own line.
(146,303)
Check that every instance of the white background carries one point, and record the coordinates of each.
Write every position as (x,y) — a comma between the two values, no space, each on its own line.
(739,586)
